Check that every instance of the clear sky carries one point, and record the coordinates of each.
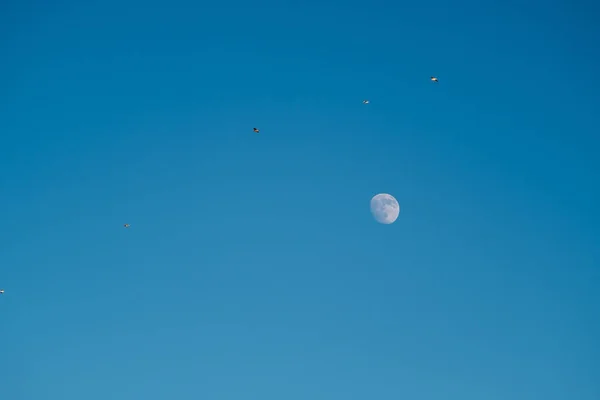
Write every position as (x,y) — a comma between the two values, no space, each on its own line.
(253,268)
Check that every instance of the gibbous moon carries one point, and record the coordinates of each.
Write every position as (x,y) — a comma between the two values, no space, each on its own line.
(385,208)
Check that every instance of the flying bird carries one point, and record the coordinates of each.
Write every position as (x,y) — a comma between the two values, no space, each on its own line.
(1,291)
(126,225)
(434,79)
(256,130)
(365,101)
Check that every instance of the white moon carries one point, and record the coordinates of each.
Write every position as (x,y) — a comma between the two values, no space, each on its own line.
(385,208)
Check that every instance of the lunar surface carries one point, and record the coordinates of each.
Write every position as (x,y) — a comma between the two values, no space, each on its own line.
(385,208)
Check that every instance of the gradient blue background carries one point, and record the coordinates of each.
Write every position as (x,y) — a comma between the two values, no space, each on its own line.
(253,268)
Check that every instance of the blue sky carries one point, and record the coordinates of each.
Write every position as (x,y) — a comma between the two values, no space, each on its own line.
(253,268)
